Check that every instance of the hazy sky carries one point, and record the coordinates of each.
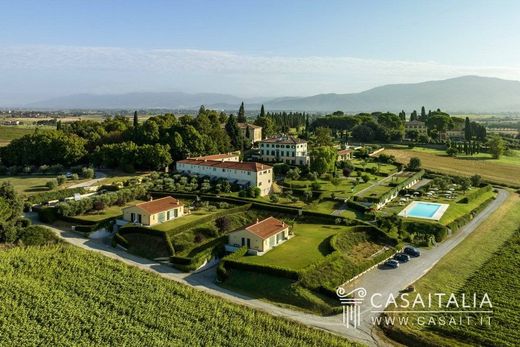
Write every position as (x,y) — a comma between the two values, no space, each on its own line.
(248,48)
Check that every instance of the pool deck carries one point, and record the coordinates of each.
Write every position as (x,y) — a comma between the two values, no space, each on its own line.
(436,216)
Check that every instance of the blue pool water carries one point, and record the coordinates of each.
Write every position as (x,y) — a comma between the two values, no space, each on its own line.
(424,210)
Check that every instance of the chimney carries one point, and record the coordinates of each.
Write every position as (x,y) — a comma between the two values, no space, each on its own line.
(257,221)
(283,224)
(151,198)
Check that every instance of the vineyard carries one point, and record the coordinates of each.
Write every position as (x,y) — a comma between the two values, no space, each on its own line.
(63,296)
(500,279)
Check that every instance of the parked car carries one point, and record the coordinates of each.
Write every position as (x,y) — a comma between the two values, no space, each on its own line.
(411,251)
(394,264)
(401,257)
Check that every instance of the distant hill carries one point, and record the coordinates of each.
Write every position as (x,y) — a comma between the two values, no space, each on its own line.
(164,100)
(461,94)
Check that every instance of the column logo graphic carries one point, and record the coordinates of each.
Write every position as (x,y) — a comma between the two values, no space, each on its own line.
(351,303)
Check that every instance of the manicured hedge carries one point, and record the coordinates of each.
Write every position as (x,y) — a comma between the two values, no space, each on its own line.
(475,194)
(439,231)
(202,253)
(357,206)
(206,219)
(48,214)
(143,230)
(222,270)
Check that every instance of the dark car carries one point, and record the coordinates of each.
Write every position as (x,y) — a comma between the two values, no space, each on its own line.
(394,264)
(401,257)
(411,251)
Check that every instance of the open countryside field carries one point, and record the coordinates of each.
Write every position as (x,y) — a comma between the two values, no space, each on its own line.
(32,184)
(61,295)
(9,133)
(483,262)
(505,170)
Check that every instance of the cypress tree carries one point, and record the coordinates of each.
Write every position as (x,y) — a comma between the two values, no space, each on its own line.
(423,113)
(262,111)
(136,119)
(241,114)
(467,129)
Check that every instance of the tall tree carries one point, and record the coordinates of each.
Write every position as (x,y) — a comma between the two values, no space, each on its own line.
(413,115)
(136,119)
(241,118)
(467,129)
(496,145)
(423,114)
(233,132)
(262,111)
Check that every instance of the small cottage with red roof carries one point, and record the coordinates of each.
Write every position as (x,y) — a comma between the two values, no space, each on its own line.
(260,237)
(154,212)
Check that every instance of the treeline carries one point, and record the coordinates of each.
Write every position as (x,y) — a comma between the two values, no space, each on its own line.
(129,144)
(364,127)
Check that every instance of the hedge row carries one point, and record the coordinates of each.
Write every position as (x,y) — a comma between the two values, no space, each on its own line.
(47,214)
(56,195)
(222,269)
(439,231)
(357,206)
(392,191)
(206,219)
(143,230)
(267,269)
(463,220)
(203,253)
(475,194)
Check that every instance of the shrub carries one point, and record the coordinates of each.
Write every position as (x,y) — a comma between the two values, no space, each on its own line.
(51,185)
(315,186)
(61,180)
(75,177)
(223,223)
(48,214)
(36,235)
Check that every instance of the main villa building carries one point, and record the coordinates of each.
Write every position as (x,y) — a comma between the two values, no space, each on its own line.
(246,174)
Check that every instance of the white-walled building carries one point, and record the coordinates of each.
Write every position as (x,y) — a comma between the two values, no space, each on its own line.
(284,149)
(248,174)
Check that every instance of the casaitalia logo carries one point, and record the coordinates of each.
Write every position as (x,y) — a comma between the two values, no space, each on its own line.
(426,309)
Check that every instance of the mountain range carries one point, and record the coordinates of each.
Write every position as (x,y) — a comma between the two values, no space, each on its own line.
(462,94)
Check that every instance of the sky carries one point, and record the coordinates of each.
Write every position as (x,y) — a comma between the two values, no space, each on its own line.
(248,48)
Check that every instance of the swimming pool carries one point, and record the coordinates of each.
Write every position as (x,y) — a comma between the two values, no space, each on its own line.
(425,210)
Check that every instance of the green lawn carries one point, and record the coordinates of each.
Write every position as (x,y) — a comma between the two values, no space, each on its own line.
(309,245)
(109,212)
(383,168)
(32,184)
(454,211)
(200,213)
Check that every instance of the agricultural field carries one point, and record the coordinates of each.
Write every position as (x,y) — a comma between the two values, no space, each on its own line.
(61,295)
(505,170)
(9,133)
(479,264)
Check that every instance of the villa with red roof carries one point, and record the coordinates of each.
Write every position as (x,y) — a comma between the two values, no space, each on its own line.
(259,237)
(245,174)
(154,212)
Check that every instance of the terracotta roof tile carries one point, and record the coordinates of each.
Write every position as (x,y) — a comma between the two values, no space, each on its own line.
(267,227)
(216,156)
(246,166)
(160,205)
(284,139)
